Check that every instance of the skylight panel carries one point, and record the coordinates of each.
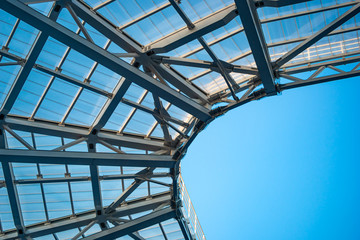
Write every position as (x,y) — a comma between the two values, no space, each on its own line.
(52,108)
(119,117)
(86,108)
(82,196)
(7,22)
(8,74)
(140,123)
(6,216)
(22,40)
(32,204)
(57,199)
(155,26)
(52,54)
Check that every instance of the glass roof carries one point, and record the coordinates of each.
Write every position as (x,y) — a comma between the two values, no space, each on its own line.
(141,79)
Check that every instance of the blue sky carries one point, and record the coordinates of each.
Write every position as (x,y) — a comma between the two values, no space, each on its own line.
(285,167)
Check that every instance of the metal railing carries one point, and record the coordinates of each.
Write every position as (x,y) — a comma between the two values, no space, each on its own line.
(189,212)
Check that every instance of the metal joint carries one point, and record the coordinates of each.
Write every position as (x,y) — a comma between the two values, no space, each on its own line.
(256,95)
(217,112)
(259,4)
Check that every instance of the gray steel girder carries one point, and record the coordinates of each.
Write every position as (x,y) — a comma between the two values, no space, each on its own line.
(85,158)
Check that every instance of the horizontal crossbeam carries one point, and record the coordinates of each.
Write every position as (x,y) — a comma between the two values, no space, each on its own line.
(151,111)
(205,64)
(85,158)
(75,132)
(278,3)
(83,179)
(72,80)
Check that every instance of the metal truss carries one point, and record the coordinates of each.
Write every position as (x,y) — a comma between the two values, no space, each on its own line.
(154,68)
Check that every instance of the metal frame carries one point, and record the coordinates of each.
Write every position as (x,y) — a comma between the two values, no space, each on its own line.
(153,70)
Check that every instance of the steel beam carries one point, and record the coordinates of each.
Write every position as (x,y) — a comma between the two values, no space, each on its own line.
(255,36)
(204,64)
(75,132)
(36,1)
(111,104)
(86,178)
(120,199)
(9,64)
(134,225)
(85,158)
(108,109)
(152,112)
(101,5)
(277,3)
(72,80)
(11,190)
(182,14)
(230,82)
(95,182)
(103,57)
(184,228)
(182,84)
(317,36)
(17,137)
(13,197)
